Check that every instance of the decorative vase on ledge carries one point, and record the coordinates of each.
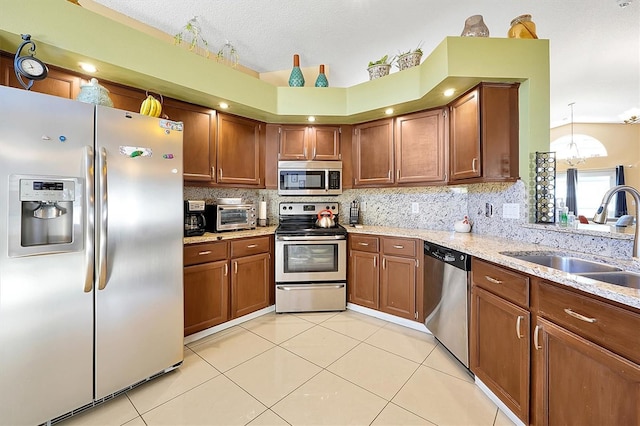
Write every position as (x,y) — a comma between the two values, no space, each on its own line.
(474,26)
(378,70)
(296,79)
(322,81)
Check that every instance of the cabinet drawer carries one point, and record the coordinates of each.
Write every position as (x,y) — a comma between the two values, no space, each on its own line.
(609,326)
(203,253)
(399,247)
(249,246)
(501,281)
(364,243)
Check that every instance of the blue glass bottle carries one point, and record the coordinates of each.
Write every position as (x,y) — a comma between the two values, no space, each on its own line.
(296,79)
(322,81)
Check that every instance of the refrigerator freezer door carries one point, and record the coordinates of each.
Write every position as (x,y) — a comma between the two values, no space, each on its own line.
(139,319)
(46,317)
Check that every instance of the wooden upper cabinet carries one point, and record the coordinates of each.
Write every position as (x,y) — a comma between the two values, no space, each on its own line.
(238,151)
(125,98)
(198,144)
(309,143)
(464,138)
(483,139)
(420,147)
(58,82)
(372,148)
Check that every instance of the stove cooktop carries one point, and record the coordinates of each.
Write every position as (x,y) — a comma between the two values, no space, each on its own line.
(300,219)
(309,229)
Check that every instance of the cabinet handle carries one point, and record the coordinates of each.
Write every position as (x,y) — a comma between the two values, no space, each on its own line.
(492,280)
(417,263)
(473,164)
(536,332)
(398,247)
(203,253)
(384,263)
(235,267)
(213,172)
(398,175)
(375,262)
(389,175)
(363,244)
(220,170)
(252,246)
(313,157)
(226,269)
(518,323)
(579,316)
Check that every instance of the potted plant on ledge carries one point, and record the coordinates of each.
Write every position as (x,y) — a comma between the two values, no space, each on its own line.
(380,68)
(409,59)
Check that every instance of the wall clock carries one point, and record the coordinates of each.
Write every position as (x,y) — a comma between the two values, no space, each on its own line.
(28,66)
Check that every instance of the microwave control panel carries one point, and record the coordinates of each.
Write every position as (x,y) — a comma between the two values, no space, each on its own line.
(334,179)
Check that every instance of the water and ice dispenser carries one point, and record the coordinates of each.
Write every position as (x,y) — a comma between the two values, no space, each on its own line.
(45,215)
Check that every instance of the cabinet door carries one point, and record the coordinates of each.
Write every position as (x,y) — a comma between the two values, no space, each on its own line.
(58,82)
(364,281)
(238,151)
(464,137)
(249,284)
(206,296)
(325,143)
(398,286)
(125,98)
(420,147)
(198,138)
(499,349)
(580,383)
(373,153)
(293,143)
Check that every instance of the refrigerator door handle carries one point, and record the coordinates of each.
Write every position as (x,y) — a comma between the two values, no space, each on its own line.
(102,244)
(89,236)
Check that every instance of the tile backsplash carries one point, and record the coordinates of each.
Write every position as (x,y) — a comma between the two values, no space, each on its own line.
(438,209)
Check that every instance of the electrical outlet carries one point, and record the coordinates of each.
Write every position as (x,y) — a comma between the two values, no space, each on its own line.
(511,211)
(415,208)
(363,206)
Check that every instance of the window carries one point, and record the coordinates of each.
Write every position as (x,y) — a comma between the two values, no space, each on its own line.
(587,145)
(592,184)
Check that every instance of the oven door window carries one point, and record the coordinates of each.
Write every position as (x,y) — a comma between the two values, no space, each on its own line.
(234,216)
(302,179)
(310,258)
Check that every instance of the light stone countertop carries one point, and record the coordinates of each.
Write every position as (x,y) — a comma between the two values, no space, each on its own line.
(488,248)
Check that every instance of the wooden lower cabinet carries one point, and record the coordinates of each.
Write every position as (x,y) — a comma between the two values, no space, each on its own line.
(398,286)
(384,274)
(364,281)
(249,284)
(580,383)
(206,296)
(499,348)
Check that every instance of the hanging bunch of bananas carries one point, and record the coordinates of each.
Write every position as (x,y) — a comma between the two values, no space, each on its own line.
(151,106)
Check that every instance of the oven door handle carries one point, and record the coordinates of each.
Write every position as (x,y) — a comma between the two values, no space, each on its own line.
(308,287)
(313,238)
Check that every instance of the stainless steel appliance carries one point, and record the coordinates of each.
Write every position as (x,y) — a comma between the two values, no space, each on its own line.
(90,256)
(311,261)
(310,177)
(230,217)
(194,220)
(446,298)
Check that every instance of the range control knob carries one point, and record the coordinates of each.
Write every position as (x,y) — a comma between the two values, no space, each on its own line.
(290,208)
(333,207)
(284,207)
(327,207)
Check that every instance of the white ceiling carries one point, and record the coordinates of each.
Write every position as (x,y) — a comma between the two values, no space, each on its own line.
(594,44)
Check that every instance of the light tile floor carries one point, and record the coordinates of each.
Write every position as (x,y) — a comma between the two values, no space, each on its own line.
(307,369)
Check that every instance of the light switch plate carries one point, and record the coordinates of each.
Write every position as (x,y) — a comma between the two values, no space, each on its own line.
(511,211)
(415,208)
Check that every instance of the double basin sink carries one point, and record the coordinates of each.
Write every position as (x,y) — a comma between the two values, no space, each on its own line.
(586,268)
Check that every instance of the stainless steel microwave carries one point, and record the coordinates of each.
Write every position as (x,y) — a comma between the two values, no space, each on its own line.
(309,177)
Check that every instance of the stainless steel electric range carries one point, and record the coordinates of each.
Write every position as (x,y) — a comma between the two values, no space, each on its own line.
(311,261)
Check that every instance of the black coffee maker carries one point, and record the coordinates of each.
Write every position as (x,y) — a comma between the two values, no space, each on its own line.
(194,221)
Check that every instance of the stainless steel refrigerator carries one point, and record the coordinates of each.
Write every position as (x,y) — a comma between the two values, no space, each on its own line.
(90,253)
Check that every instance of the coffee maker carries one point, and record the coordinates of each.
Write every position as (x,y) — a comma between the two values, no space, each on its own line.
(194,221)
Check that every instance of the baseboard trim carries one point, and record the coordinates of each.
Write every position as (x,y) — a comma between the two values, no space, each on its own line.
(387,317)
(492,396)
(212,330)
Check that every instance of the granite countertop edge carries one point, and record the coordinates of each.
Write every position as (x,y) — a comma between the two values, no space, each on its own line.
(483,247)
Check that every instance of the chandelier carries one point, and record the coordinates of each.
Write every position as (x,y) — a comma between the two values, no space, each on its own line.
(574,157)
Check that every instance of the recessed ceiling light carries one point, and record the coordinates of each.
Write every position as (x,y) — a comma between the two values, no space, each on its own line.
(88,67)
(311,118)
(223,105)
(388,111)
(449,92)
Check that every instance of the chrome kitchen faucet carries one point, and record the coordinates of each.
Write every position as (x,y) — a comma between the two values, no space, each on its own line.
(601,214)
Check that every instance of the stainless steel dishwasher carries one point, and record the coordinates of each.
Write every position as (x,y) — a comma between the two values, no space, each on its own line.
(446,298)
